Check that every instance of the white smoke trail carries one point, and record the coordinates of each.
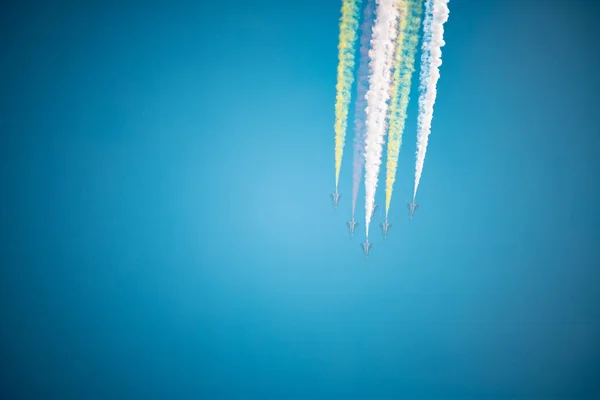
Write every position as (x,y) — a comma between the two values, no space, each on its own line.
(431,58)
(383,44)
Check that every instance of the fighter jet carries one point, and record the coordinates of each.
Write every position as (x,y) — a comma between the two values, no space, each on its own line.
(336,198)
(351,226)
(385,227)
(412,207)
(366,246)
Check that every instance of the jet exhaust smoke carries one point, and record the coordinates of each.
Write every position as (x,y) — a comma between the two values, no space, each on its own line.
(437,13)
(360,104)
(345,77)
(381,56)
(404,68)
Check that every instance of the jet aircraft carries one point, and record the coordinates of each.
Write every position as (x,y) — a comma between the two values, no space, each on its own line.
(366,246)
(412,207)
(336,198)
(351,226)
(385,227)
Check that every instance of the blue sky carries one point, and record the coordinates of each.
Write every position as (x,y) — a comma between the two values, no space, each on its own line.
(167,230)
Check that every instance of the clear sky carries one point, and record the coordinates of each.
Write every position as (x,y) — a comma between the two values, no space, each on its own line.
(166,228)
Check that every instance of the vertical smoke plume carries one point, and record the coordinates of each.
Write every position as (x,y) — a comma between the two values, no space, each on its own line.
(433,39)
(360,104)
(345,77)
(381,55)
(404,68)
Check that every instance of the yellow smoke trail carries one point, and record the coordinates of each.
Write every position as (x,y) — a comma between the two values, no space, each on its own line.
(345,76)
(404,68)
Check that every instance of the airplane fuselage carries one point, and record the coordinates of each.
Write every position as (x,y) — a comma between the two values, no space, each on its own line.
(336,198)
(351,226)
(412,207)
(366,246)
(385,227)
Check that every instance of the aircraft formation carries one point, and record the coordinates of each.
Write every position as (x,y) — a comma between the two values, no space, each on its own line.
(389,35)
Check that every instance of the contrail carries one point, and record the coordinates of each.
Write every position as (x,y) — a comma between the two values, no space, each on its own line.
(381,55)
(345,77)
(404,68)
(431,58)
(360,104)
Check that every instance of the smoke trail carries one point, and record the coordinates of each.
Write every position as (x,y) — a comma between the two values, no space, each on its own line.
(345,77)
(381,55)
(433,39)
(360,104)
(404,68)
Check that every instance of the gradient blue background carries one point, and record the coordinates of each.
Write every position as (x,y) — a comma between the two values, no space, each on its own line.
(167,232)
